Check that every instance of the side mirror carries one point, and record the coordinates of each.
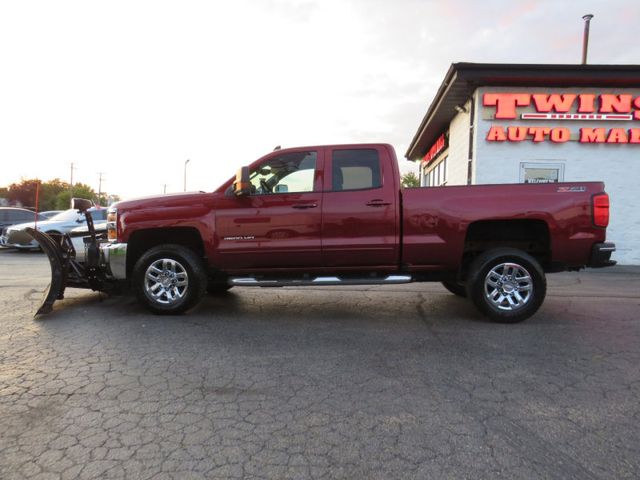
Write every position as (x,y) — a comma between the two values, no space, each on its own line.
(81,204)
(242,185)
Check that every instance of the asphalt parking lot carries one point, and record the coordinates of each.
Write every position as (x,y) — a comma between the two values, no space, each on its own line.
(362,382)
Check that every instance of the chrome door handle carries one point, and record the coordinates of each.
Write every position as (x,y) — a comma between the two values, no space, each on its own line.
(305,206)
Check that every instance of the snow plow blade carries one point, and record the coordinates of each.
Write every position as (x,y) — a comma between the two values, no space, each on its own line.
(59,260)
(65,270)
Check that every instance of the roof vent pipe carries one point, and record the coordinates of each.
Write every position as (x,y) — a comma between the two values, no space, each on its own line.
(585,39)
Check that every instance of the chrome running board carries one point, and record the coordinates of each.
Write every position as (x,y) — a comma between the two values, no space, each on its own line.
(318,281)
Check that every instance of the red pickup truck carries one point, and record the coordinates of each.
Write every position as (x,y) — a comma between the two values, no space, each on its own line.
(337,215)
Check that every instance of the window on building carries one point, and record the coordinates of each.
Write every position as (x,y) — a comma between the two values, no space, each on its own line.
(534,172)
(436,176)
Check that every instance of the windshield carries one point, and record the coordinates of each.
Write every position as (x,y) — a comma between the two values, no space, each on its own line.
(70,215)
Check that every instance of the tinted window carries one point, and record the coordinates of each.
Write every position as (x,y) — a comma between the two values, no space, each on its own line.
(355,169)
(19,216)
(290,173)
(100,214)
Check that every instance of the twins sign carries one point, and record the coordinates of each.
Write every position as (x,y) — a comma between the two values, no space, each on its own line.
(561,107)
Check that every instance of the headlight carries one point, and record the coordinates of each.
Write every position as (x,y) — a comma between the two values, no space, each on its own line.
(112,224)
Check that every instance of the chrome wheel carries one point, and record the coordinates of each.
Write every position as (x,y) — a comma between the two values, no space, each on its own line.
(166,281)
(508,286)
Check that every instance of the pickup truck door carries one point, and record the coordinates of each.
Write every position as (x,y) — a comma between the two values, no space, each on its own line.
(278,225)
(360,208)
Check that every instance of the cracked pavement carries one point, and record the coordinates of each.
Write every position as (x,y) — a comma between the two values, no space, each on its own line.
(401,382)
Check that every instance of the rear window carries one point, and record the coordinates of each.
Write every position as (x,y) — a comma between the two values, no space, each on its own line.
(355,169)
(19,216)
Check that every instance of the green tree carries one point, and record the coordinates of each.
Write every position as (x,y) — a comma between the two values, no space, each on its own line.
(24,193)
(410,180)
(49,192)
(79,190)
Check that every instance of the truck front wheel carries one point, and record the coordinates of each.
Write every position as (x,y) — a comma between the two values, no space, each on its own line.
(506,284)
(458,289)
(169,279)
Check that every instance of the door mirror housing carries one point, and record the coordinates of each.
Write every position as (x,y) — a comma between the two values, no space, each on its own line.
(242,185)
(81,204)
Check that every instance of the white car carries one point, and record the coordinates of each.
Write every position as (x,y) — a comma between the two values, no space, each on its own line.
(16,237)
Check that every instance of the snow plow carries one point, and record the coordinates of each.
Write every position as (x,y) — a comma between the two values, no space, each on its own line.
(66,271)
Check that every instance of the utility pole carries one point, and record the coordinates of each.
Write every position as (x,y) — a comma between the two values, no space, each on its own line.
(165,188)
(71,183)
(100,188)
(585,38)
(185,174)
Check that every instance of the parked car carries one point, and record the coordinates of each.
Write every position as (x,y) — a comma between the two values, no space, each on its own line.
(12,215)
(50,213)
(16,236)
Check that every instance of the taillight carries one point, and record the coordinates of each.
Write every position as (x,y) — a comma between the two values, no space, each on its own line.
(112,224)
(600,204)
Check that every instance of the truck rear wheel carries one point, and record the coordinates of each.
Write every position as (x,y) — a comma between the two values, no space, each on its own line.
(506,284)
(169,279)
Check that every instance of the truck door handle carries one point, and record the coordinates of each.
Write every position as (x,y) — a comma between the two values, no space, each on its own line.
(303,206)
(378,203)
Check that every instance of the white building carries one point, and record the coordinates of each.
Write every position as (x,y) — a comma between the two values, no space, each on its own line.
(505,123)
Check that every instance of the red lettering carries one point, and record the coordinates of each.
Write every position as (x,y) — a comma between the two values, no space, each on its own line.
(555,102)
(496,134)
(435,149)
(592,135)
(636,104)
(618,103)
(516,134)
(506,103)
(560,135)
(539,133)
(617,135)
(634,135)
(587,103)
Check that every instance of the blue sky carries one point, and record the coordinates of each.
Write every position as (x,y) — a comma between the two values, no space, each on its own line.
(134,88)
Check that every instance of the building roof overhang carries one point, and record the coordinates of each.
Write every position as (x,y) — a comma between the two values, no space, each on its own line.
(463,79)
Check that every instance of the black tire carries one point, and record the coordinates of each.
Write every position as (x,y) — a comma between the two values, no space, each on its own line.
(180,283)
(456,288)
(506,284)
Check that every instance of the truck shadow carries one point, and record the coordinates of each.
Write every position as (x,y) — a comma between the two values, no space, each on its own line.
(284,305)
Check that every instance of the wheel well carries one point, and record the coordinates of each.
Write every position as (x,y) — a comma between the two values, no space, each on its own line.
(143,240)
(531,236)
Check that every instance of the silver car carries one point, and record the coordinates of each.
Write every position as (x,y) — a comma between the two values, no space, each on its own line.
(16,237)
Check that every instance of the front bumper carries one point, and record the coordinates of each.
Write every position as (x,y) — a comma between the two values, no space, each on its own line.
(601,255)
(113,259)
(18,239)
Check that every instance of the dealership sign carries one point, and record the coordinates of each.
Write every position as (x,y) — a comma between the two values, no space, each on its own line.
(439,145)
(563,107)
